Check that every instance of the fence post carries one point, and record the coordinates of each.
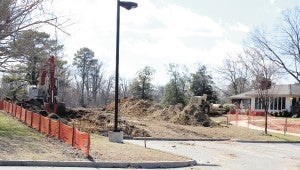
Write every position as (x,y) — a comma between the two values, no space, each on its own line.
(20,115)
(58,129)
(40,122)
(285,126)
(88,144)
(31,118)
(25,115)
(49,126)
(73,131)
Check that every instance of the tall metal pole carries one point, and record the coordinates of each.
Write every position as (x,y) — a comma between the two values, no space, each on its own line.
(117,69)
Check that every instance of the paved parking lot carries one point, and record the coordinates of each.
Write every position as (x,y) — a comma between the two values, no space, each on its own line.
(233,155)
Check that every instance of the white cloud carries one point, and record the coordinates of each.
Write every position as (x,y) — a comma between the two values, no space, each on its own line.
(272,1)
(150,35)
(239,27)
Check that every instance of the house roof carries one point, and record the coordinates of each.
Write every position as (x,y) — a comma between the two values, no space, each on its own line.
(242,95)
(277,90)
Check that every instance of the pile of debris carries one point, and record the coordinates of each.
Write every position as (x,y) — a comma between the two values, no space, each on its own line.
(188,115)
(101,120)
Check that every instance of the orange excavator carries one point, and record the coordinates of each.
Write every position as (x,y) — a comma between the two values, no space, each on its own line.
(46,92)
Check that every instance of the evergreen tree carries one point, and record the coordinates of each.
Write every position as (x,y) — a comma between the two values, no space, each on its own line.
(201,83)
(84,61)
(31,50)
(176,88)
(141,86)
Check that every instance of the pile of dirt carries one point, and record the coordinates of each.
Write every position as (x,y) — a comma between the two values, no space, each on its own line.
(189,115)
(134,107)
(101,120)
(192,115)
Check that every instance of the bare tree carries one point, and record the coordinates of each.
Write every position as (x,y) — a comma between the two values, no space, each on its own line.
(96,76)
(235,74)
(64,80)
(124,87)
(158,93)
(19,15)
(283,46)
(106,91)
(263,73)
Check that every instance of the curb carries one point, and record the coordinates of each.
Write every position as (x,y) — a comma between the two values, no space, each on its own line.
(178,139)
(148,165)
(267,141)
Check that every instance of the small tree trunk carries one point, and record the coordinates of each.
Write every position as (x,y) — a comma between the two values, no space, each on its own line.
(266,121)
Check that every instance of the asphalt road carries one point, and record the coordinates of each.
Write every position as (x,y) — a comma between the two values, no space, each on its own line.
(233,155)
(221,155)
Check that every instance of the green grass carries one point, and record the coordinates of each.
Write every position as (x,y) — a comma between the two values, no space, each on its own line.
(285,137)
(11,127)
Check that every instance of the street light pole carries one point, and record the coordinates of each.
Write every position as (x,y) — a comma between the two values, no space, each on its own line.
(117,69)
(128,6)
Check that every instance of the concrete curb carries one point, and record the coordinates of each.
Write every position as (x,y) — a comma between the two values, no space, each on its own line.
(261,141)
(148,165)
(179,139)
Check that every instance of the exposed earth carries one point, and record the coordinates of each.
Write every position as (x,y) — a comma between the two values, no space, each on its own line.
(143,118)
(138,118)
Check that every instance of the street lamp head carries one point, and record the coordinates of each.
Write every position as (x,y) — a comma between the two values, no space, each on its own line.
(128,5)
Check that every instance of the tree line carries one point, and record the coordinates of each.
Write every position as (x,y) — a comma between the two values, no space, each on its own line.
(85,82)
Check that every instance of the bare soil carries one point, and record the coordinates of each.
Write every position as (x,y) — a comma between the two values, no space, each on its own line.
(141,118)
(138,118)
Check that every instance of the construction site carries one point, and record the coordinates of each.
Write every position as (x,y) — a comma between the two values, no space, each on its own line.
(138,118)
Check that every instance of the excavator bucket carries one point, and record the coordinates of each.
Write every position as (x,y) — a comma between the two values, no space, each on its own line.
(57,108)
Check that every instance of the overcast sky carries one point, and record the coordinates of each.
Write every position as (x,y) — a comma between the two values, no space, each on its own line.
(160,32)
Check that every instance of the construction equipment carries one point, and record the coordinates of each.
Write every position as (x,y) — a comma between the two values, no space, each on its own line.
(46,92)
(207,107)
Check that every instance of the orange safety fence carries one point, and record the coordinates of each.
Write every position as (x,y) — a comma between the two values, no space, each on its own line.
(35,121)
(6,106)
(18,110)
(11,109)
(14,110)
(54,128)
(45,122)
(81,140)
(23,113)
(28,117)
(1,105)
(68,134)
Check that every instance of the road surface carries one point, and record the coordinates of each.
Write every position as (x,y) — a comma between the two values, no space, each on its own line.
(232,155)
(221,155)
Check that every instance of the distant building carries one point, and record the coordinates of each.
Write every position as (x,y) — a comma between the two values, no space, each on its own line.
(284,97)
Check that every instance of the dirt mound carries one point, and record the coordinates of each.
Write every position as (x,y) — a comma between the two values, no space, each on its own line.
(192,115)
(101,120)
(167,113)
(189,115)
(134,107)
